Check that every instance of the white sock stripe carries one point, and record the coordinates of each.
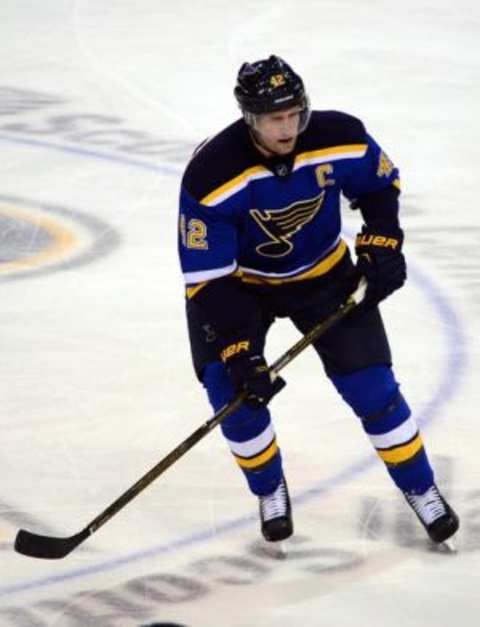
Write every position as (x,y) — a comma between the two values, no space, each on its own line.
(255,445)
(401,434)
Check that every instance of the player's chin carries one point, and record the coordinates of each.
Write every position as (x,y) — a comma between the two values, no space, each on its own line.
(284,146)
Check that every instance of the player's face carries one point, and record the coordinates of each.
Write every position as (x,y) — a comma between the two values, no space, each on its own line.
(278,131)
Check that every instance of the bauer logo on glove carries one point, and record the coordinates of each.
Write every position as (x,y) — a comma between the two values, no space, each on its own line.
(364,239)
(381,262)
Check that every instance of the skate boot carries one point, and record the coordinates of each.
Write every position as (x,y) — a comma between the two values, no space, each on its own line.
(276,514)
(435,514)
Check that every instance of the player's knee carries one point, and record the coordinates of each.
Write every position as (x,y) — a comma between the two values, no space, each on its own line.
(371,391)
(217,384)
(220,392)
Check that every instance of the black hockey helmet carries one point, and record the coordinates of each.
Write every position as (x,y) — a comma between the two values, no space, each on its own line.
(270,85)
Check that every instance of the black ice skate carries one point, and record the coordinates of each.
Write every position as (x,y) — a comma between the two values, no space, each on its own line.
(276,514)
(435,514)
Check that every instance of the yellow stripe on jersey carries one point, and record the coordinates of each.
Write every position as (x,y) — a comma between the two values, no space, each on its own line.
(234,184)
(396,183)
(321,268)
(191,291)
(258,460)
(334,152)
(259,171)
(401,453)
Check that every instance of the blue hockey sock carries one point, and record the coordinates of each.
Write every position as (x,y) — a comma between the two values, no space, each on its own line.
(374,396)
(249,433)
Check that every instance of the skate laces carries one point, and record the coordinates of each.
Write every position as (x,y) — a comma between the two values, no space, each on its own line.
(276,504)
(429,506)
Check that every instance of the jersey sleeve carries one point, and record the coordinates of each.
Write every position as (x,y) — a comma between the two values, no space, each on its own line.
(374,172)
(208,255)
(373,186)
(207,240)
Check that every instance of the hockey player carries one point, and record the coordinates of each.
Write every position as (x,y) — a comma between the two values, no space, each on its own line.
(259,239)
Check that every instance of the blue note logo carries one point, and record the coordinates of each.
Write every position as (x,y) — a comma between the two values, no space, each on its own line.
(280,225)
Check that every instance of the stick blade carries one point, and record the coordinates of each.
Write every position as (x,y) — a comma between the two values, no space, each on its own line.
(47,547)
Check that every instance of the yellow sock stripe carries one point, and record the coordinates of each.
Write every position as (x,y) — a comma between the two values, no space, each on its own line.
(258,460)
(401,453)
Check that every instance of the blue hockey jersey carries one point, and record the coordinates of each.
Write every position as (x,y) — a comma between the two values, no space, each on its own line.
(274,221)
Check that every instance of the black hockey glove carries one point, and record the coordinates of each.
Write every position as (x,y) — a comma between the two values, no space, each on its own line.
(381,262)
(250,371)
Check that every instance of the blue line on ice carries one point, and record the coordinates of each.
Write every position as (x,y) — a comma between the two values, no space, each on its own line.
(163,168)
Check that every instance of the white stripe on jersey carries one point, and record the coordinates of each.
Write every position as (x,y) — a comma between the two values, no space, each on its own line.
(191,278)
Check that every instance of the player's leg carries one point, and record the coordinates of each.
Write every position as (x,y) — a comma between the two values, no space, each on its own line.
(249,432)
(374,396)
(357,359)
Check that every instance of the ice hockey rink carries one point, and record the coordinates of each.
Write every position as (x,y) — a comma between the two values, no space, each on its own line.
(101,104)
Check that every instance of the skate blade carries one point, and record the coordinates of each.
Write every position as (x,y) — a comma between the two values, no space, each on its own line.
(275,550)
(448,547)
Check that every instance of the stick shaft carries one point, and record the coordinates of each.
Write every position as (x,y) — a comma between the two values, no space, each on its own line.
(36,545)
(174,455)
(178,452)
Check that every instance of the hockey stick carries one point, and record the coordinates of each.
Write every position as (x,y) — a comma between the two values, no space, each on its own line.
(48,547)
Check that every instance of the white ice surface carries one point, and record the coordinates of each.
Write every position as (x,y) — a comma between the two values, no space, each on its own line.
(95,371)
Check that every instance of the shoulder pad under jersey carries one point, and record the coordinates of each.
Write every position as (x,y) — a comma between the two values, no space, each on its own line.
(219,160)
(331,128)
